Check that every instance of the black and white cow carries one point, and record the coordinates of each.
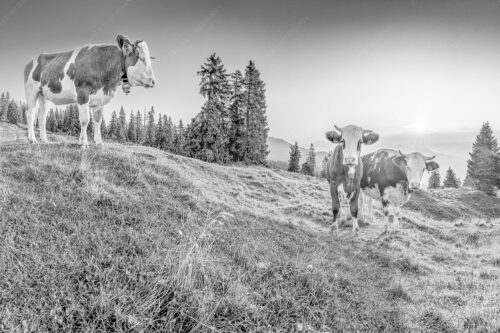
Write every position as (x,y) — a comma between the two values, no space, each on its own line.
(344,168)
(390,176)
(88,76)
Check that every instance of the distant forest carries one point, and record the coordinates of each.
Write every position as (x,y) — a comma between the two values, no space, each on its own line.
(231,126)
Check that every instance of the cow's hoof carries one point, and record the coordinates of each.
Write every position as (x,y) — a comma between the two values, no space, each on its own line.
(32,141)
(84,146)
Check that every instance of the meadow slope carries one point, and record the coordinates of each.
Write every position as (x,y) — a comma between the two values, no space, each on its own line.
(132,239)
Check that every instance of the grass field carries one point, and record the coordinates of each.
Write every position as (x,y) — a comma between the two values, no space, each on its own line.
(132,239)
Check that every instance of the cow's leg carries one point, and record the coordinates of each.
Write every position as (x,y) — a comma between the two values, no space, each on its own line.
(84,115)
(97,125)
(361,203)
(335,208)
(31,98)
(396,218)
(385,208)
(370,208)
(353,204)
(42,118)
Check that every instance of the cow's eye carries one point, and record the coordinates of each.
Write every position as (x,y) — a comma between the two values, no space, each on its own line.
(359,145)
(343,143)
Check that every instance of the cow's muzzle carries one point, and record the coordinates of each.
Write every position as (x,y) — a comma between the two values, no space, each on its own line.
(351,171)
(415,186)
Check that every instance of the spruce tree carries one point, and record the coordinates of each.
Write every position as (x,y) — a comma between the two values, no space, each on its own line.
(256,129)
(434,180)
(12,113)
(483,167)
(450,179)
(52,121)
(324,165)
(208,134)
(306,169)
(311,160)
(139,127)
(104,132)
(293,162)
(131,130)
(237,118)
(160,133)
(150,135)
(179,139)
(122,125)
(113,126)
(168,134)
(3,104)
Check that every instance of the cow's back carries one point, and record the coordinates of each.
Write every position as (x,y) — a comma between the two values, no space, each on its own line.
(73,76)
(381,169)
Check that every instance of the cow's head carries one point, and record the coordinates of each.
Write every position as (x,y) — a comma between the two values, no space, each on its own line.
(351,138)
(137,62)
(416,164)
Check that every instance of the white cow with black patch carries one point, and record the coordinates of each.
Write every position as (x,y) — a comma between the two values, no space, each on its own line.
(88,76)
(390,176)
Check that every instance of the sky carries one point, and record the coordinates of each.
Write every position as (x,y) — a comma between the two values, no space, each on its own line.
(389,66)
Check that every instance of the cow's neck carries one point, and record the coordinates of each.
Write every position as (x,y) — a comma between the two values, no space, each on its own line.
(124,69)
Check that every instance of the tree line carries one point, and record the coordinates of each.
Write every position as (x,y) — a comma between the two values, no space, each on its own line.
(483,165)
(231,126)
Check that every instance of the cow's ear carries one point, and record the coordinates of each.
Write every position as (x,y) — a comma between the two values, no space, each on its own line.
(431,166)
(333,136)
(124,44)
(399,161)
(370,137)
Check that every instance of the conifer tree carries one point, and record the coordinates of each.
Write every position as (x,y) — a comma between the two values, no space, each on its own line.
(237,131)
(3,108)
(207,135)
(131,130)
(4,105)
(434,180)
(483,167)
(12,113)
(52,121)
(122,125)
(113,126)
(450,179)
(150,135)
(324,164)
(256,129)
(311,160)
(179,139)
(160,133)
(104,132)
(139,127)
(293,162)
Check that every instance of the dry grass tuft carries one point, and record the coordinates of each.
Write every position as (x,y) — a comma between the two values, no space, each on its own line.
(398,292)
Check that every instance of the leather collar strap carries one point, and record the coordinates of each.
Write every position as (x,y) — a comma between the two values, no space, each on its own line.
(124,70)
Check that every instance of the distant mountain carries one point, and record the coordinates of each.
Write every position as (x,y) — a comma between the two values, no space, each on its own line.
(450,147)
(280,151)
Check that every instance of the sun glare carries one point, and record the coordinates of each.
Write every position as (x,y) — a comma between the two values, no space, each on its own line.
(420,127)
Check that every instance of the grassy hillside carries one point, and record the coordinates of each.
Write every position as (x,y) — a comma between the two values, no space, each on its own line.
(126,238)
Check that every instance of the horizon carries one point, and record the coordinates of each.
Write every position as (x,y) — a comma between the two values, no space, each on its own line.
(415,66)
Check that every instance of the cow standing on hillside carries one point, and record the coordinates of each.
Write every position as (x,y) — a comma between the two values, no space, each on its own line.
(391,176)
(88,76)
(344,168)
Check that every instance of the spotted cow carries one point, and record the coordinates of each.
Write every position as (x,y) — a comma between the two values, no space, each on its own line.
(390,176)
(88,76)
(344,168)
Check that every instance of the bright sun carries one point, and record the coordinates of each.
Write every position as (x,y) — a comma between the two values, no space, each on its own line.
(420,127)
